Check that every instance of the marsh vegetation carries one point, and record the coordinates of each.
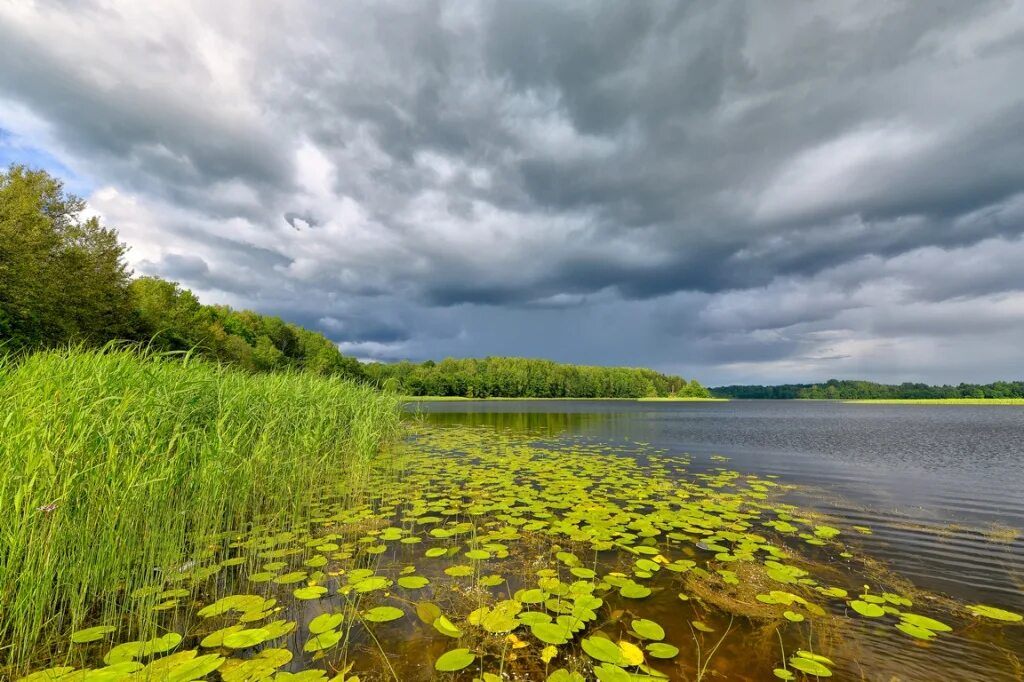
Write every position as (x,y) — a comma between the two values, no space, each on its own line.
(120,468)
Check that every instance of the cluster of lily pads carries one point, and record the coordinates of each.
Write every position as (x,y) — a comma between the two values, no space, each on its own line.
(496,556)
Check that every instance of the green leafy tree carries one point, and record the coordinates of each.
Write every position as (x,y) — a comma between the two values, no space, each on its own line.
(171,317)
(526,378)
(62,275)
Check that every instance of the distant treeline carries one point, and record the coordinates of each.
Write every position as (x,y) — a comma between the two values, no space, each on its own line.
(527,378)
(835,389)
(63,279)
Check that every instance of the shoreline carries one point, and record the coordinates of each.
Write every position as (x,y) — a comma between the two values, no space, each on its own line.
(452,398)
(938,401)
(862,401)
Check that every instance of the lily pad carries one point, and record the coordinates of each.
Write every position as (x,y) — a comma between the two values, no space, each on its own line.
(216,639)
(93,634)
(532,618)
(193,669)
(383,614)
(632,655)
(325,622)
(309,593)
(291,578)
(456,659)
(662,650)
(243,639)
(810,667)
(499,621)
(995,613)
(551,633)
(915,631)
(279,628)
(634,591)
(443,625)
(867,609)
(534,596)
(602,649)
(428,612)
(371,584)
(648,629)
(322,641)
(607,672)
(925,622)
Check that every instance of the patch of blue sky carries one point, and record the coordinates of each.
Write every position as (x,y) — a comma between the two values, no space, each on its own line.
(15,150)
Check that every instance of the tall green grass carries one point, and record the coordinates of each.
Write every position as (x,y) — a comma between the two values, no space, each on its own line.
(115,463)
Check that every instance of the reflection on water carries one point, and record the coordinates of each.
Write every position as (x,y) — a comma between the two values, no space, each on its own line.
(940,486)
(547,423)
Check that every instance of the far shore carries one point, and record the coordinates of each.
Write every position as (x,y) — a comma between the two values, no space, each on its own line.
(938,401)
(868,401)
(440,398)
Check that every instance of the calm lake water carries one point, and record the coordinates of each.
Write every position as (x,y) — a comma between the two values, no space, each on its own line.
(942,487)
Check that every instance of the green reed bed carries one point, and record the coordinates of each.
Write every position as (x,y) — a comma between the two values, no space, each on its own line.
(118,465)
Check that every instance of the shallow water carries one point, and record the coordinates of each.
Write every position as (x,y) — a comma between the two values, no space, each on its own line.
(941,487)
(755,534)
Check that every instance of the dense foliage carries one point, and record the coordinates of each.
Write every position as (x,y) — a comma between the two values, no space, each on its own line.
(172,318)
(522,377)
(62,277)
(835,389)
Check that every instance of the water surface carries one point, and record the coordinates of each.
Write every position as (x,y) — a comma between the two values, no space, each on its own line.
(942,487)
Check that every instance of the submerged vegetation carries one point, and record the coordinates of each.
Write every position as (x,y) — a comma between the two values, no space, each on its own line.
(120,468)
(492,555)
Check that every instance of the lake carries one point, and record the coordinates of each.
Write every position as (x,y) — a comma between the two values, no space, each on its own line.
(940,487)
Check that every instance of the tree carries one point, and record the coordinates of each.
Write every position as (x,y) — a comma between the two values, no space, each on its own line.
(266,356)
(62,276)
(170,317)
(526,378)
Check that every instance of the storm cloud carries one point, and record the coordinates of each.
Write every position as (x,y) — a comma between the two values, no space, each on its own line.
(738,191)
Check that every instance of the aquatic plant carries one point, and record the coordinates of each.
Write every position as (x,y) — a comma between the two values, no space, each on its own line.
(537,559)
(121,468)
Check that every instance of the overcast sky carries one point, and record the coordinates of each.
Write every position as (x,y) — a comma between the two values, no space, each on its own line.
(745,192)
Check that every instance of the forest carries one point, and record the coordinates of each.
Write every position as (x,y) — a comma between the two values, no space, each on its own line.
(836,389)
(521,377)
(64,280)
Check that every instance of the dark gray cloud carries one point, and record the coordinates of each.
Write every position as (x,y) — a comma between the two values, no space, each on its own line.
(177,267)
(736,190)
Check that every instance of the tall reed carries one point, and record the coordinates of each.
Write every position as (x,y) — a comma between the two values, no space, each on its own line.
(115,464)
